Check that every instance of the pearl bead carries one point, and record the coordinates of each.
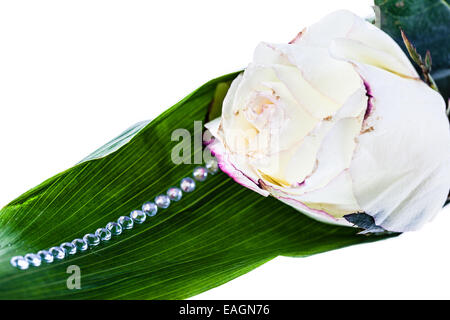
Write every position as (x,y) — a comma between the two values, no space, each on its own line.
(187,185)
(174,194)
(200,174)
(69,248)
(150,208)
(19,262)
(138,216)
(162,201)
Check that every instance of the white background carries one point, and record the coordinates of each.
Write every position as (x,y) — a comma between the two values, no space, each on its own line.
(74,74)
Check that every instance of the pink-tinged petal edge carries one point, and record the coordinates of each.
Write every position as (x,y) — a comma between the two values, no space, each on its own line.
(297,37)
(315,214)
(301,206)
(218,150)
(369,99)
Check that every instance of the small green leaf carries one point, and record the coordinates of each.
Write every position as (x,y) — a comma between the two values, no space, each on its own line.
(425,66)
(415,56)
(428,61)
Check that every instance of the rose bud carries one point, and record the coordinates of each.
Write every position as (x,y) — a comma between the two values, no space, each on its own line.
(338,122)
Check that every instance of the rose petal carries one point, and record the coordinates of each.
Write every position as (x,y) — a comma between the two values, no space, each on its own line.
(230,167)
(401,166)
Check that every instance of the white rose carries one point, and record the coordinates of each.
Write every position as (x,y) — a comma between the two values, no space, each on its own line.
(338,122)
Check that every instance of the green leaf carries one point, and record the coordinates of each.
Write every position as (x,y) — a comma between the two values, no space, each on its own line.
(212,235)
(215,109)
(427,24)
